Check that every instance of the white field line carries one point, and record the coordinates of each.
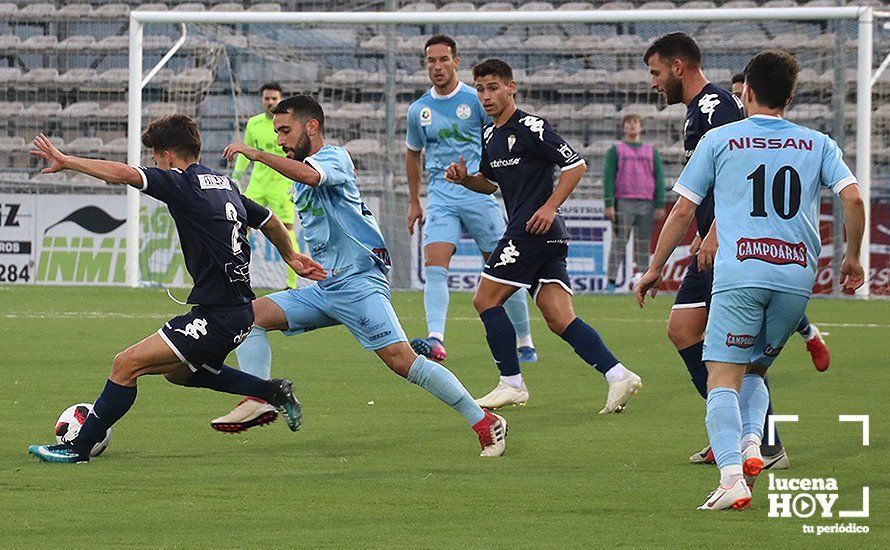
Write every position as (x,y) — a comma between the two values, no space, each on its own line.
(121,315)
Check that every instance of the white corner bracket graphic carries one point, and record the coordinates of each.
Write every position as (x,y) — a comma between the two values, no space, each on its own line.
(857,418)
(863,513)
(771,425)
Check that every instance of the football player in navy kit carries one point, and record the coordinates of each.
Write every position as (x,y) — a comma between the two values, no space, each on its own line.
(211,218)
(674,62)
(519,154)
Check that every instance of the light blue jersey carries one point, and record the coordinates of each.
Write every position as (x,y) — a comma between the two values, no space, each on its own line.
(342,234)
(445,128)
(766,174)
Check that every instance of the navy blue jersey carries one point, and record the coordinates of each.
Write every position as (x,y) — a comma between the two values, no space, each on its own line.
(712,107)
(211,218)
(520,157)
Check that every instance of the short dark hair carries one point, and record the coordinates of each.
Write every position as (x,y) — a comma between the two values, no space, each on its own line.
(738,77)
(176,133)
(631,116)
(676,45)
(493,67)
(772,74)
(442,39)
(270,86)
(303,107)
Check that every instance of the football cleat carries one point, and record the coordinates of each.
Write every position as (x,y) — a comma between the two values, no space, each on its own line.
(63,453)
(492,432)
(431,348)
(620,392)
(752,464)
(737,497)
(527,354)
(778,461)
(249,412)
(819,353)
(504,395)
(284,400)
(705,456)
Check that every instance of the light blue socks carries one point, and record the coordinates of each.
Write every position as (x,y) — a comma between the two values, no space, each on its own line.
(440,382)
(517,310)
(724,423)
(435,299)
(255,355)
(753,402)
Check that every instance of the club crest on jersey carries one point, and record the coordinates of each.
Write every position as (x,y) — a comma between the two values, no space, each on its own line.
(463,111)
(535,124)
(212,181)
(426,116)
(773,251)
(743,341)
(511,141)
(508,254)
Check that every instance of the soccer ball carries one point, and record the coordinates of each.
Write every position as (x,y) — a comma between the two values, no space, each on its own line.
(70,422)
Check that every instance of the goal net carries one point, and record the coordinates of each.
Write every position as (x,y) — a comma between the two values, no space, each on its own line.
(582,75)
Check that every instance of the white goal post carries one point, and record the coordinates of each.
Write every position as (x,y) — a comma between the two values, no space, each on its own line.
(864,81)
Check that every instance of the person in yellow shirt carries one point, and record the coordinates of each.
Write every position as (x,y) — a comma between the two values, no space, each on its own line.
(266,186)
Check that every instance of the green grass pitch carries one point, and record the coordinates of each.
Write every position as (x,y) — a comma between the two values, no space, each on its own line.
(381,464)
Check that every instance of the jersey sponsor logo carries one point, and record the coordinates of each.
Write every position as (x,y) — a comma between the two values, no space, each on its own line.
(707,104)
(240,337)
(238,272)
(463,111)
(535,124)
(773,251)
(426,116)
(453,132)
(508,254)
(500,163)
(195,329)
(511,141)
(566,151)
(380,335)
(743,341)
(212,181)
(771,143)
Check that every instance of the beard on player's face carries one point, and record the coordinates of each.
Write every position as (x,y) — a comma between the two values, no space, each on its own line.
(673,89)
(301,148)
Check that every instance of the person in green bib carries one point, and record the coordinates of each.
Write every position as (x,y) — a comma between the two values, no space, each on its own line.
(266,186)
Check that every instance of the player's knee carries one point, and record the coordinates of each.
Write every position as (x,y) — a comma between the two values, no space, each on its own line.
(482,302)
(398,357)
(125,367)
(556,322)
(680,335)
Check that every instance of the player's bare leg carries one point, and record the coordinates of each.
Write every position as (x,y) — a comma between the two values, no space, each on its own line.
(489,300)
(437,259)
(555,303)
(439,381)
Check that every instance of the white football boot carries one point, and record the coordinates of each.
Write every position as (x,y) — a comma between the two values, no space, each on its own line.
(492,431)
(620,392)
(752,464)
(250,412)
(778,461)
(504,395)
(738,497)
(704,456)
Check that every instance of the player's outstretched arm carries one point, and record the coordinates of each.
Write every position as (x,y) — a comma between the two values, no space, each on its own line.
(674,228)
(302,264)
(541,221)
(457,173)
(112,172)
(852,274)
(414,172)
(295,170)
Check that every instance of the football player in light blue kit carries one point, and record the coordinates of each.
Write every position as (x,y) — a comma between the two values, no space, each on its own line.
(766,174)
(443,125)
(344,238)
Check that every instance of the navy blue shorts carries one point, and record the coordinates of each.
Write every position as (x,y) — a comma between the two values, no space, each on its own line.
(203,337)
(529,264)
(695,290)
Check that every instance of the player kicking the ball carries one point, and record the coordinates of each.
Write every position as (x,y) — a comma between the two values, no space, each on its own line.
(519,153)
(211,218)
(344,237)
(766,174)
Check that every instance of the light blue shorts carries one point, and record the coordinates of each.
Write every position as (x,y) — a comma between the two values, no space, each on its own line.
(751,325)
(361,302)
(484,221)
